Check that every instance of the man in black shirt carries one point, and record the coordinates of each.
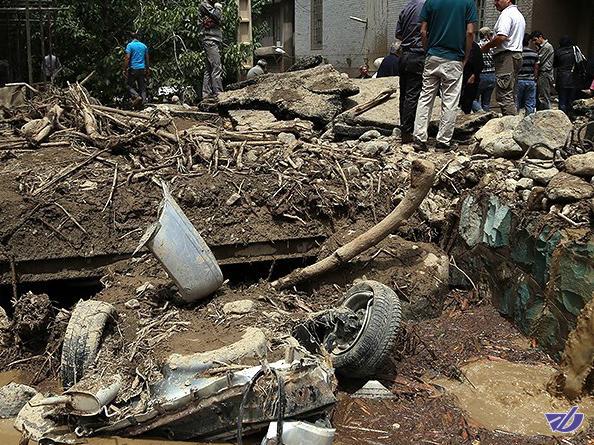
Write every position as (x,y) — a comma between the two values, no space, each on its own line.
(390,65)
(412,63)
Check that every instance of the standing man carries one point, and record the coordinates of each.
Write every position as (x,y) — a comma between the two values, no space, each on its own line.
(487,83)
(471,78)
(527,79)
(211,38)
(51,66)
(137,70)
(546,76)
(411,64)
(507,54)
(447,31)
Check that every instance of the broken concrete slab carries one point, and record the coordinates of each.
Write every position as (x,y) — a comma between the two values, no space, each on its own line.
(567,188)
(254,119)
(314,94)
(549,127)
(580,165)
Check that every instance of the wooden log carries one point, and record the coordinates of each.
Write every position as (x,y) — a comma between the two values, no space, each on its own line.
(421,179)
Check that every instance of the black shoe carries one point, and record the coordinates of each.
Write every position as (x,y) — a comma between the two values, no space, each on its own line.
(419,145)
(407,138)
(442,146)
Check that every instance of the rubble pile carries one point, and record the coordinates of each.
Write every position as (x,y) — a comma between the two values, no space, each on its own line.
(280,159)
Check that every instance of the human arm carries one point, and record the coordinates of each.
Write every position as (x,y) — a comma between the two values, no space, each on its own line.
(497,41)
(425,35)
(469,41)
(547,54)
(213,10)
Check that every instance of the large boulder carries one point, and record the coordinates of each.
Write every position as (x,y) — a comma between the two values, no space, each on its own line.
(581,165)
(549,127)
(12,399)
(316,94)
(496,138)
(568,188)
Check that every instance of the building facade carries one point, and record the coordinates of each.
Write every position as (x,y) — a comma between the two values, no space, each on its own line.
(350,32)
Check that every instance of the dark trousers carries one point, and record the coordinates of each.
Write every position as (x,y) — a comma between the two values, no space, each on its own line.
(469,94)
(137,84)
(411,82)
(566,98)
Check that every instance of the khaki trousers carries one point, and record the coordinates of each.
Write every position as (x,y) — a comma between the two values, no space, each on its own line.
(445,76)
(507,68)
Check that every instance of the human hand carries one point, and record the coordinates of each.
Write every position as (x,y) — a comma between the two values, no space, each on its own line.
(471,80)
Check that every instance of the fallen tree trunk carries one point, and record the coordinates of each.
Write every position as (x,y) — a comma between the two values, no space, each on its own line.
(421,179)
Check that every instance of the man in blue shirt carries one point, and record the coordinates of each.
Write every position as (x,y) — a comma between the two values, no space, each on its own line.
(136,69)
(447,31)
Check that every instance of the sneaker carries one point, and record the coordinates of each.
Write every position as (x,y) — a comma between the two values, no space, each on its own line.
(419,145)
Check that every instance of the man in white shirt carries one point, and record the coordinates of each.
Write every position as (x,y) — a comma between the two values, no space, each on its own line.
(507,53)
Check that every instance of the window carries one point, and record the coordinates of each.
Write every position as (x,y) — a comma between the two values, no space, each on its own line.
(480,5)
(317,24)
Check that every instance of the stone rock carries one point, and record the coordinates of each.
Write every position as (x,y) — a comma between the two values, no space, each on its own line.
(538,174)
(315,94)
(205,150)
(511,185)
(396,132)
(549,127)
(525,194)
(240,307)
(567,188)
(536,198)
(352,171)
(373,148)
(251,156)
(370,135)
(434,208)
(286,138)
(12,399)
(252,118)
(5,328)
(496,137)
(581,165)
(471,220)
(132,304)
(525,183)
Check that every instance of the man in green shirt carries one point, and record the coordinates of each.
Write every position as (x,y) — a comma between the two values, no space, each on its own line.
(447,30)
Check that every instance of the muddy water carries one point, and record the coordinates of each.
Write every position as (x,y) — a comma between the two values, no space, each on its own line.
(511,397)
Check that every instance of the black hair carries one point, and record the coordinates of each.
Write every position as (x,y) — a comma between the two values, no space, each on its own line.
(527,39)
(537,34)
(565,42)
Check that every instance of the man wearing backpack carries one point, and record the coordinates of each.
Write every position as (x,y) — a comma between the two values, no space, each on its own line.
(211,38)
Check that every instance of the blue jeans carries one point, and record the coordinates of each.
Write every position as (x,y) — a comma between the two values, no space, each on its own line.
(486,87)
(526,95)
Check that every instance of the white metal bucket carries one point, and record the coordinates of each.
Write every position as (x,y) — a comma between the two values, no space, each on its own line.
(183,253)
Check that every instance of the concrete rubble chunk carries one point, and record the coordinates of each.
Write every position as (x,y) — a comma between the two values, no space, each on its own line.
(549,127)
(496,138)
(252,118)
(525,183)
(538,174)
(12,399)
(567,188)
(581,165)
(240,307)
(373,148)
(314,94)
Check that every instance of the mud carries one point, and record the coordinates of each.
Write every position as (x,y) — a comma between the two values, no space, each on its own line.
(511,397)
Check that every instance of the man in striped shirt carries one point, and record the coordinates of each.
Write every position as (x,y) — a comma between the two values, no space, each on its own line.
(526,95)
(487,83)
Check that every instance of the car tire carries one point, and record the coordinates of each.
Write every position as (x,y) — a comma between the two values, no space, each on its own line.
(379,333)
(83,338)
